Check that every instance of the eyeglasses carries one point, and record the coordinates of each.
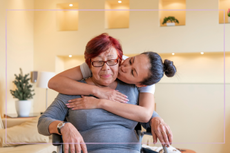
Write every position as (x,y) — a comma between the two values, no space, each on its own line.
(111,62)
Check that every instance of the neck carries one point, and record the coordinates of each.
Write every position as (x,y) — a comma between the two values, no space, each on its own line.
(91,81)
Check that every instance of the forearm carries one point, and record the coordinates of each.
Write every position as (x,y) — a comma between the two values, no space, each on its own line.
(53,127)
(69,86)
(142,113)
(66,83)
(129,111)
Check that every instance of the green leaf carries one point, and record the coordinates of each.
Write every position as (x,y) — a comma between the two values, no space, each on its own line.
(171,19)
(22,83)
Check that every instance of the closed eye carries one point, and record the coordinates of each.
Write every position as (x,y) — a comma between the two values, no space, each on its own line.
(132,72)
(130,62)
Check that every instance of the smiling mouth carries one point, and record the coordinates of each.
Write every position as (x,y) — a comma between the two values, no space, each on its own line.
(106,75)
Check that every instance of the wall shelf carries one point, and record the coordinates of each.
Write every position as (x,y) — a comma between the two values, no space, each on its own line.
(116,19)
(169,6)
(67,18)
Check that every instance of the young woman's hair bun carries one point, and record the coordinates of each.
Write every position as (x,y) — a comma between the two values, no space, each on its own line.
(169,68)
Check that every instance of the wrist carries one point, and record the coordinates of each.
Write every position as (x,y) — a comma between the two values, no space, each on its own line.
(101,103)
(60,126)
(66,126)
(94,91)
(154,119)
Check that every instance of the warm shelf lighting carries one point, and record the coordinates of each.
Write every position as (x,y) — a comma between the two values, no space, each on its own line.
(70,55)
(119,1)
(70,5)
(173,54)
(202,53)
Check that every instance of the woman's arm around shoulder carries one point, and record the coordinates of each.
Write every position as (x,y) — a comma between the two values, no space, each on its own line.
(66,83)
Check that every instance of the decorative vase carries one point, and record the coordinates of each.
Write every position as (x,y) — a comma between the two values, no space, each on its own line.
(170,24)
(23,107)
(229,19)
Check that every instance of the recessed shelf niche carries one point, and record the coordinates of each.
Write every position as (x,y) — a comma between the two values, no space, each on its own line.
(224,5)
(169,6)
(67,18)
(116,19)
(64,62)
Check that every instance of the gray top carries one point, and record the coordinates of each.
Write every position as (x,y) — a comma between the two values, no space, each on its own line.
(102,131)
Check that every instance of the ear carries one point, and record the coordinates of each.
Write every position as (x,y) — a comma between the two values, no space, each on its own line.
(140,85)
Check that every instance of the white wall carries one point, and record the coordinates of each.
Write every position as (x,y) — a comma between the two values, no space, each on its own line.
(198,68)
(20,47)
(195,113)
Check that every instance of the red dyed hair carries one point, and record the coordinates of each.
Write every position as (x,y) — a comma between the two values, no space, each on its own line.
(100,44)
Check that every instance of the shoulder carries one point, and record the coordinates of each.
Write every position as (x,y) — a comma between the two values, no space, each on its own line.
(149,89)
(85,70)
(124,57)
(123,84)
(123,87)
(65,98)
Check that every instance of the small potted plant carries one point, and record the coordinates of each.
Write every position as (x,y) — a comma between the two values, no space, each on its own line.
(228,15)
(172,20)
(23,93)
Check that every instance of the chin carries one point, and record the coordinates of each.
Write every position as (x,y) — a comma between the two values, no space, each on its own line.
(119,77)
(107,83)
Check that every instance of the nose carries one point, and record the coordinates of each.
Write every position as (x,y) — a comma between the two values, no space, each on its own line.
(124,69)
(105,67)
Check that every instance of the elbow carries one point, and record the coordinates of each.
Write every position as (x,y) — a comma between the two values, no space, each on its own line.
(51,84)
(41,128)
(146,117)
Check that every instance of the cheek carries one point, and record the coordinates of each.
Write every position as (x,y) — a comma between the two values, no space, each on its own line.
(95,72)
(115,70)
(122,77)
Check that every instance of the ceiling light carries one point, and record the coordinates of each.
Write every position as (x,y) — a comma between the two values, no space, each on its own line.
(70,5)
(119,1)
(202,52)
(172,53)
(70,55)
